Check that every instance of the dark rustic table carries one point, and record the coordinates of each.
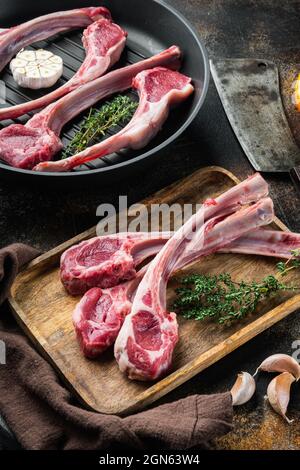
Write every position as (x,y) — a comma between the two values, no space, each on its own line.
(230,28)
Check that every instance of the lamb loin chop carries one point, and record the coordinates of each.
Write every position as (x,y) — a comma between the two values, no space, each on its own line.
(104,42)
(106,261)
(24,146)
(158,89)
(14,39)
(99,315)
(146,341)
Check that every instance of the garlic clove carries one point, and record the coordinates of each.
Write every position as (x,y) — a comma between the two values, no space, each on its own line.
(33,72)
(56,59)
(51,66)
(52,63)
(42,55)
(45,72)
(21,70)
(278,393)
(29,56)
(243,389)
(18,63)
(280,363)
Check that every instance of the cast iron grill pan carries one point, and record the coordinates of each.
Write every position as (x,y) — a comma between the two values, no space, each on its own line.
(147,35)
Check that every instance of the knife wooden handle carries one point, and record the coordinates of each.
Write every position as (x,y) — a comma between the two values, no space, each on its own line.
(295,175)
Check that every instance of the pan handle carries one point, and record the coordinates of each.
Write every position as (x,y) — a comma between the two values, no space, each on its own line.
(295,176)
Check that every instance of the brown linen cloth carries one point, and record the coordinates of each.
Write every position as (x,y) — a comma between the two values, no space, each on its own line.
(44,415)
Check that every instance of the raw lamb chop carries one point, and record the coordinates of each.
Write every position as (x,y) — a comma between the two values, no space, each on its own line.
(99,315)
(96,332)
(145,344)
(158,89)
(134,248)
(106,261)
(104,42)
(23,146)
(14,39)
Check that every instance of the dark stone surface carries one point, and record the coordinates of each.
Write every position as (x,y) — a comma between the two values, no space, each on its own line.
(230,28)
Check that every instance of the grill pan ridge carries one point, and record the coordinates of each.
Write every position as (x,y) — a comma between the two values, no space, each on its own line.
(145,22)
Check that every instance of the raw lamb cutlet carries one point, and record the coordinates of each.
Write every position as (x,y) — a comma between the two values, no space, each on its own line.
(106,261)
(146,341)
(104,42)
(158,89)
(14,39)
(100,314)
(23,146)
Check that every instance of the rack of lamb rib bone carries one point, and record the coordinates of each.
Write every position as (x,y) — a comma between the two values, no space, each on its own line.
(24,146)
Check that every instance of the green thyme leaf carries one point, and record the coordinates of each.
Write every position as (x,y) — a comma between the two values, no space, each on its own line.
(203,296)
(96,124)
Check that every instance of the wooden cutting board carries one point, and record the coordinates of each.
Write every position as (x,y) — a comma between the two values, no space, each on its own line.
(44,309)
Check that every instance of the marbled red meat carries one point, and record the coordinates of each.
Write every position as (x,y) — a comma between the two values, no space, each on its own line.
(108,260)
(99,315)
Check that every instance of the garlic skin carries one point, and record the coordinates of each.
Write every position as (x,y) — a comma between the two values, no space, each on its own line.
(280,363)
(243,389)
(278,393)
(36,69)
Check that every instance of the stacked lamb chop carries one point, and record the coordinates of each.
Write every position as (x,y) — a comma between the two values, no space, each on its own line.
(125,305)
(156,79)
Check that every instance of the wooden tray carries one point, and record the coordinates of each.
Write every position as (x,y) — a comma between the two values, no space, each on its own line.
(44,309)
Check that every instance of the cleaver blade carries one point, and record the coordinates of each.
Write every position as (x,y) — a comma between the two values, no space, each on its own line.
(250,93)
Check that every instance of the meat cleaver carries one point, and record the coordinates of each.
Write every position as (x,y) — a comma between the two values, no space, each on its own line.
(250,93)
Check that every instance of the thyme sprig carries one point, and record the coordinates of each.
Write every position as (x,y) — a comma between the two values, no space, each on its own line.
(98,122)
(203,296)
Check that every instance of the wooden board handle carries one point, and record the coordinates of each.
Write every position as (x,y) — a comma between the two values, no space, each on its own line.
(295,176)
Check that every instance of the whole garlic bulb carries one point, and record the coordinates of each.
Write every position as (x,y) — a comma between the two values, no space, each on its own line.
(36,69)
